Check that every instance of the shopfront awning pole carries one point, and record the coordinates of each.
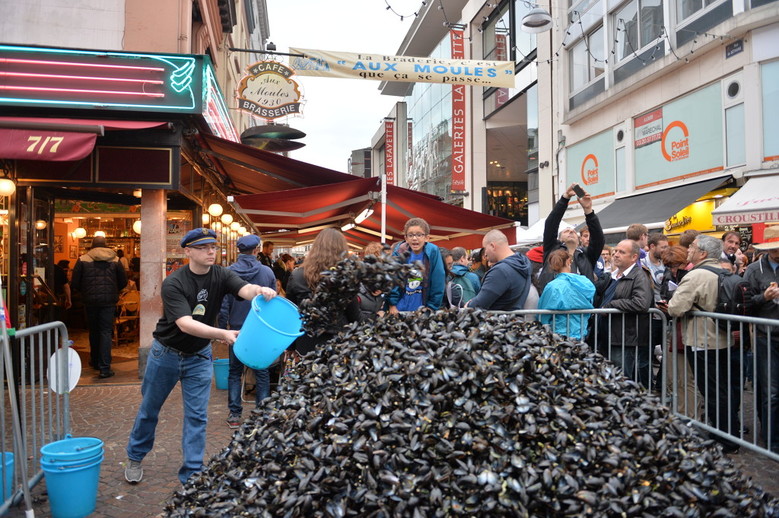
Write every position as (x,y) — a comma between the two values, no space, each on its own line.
(383,208)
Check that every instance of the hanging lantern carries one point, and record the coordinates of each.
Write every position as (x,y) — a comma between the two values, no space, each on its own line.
(7,187)
(41,224)
(215,210)
(79,233)
(137,226)
(227,219)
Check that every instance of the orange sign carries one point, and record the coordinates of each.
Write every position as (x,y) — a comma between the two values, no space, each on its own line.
(590,169)
(679,149)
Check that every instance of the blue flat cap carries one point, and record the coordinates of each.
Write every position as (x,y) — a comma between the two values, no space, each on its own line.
(248,242)
(198,236)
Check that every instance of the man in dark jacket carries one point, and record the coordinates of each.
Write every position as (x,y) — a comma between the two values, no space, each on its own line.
(763,278)
(506,284)
(584,259)
(629,289)
(232,316)
(99,277)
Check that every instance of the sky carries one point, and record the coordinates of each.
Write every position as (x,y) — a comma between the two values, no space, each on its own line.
(339,115)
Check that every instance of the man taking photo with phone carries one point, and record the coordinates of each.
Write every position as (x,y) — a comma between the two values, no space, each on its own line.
(584,258)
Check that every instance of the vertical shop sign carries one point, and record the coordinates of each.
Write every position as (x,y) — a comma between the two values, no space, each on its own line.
(458,117)
(410,144)
(389,151)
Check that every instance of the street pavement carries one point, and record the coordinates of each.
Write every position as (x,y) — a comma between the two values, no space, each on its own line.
(107,408)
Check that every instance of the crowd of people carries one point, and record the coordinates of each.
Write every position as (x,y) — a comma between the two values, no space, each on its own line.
(571,270)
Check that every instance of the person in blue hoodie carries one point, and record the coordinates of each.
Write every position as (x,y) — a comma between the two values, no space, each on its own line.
(464,284)
(565,292)
(506,284)
(232,315)
(423,288)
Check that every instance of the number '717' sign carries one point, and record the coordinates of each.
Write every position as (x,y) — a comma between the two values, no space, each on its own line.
(36,144)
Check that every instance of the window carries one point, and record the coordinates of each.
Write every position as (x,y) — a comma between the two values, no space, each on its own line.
(497,37)
(587,59)
(502,37)
(734,135)
(687,8)
(637,25)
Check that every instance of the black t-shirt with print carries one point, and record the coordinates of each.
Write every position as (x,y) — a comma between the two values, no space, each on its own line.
(199,296)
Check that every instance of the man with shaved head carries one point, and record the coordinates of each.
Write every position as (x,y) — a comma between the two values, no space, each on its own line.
(506,284)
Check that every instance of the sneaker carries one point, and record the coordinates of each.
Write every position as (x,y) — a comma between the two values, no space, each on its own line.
(133,472)
(234,420)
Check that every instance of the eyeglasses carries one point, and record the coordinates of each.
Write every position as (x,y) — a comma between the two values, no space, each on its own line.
(209,248)
(415,236)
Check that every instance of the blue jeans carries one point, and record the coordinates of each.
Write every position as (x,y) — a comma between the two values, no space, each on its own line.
(101,327)
(634,362)
(164,368)
(767,386)
(261,391)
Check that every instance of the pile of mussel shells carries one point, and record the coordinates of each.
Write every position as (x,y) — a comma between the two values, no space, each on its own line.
(464,413)
(341,284)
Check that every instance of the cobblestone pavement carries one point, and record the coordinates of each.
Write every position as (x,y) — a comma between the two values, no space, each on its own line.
(108,412)
(107,408)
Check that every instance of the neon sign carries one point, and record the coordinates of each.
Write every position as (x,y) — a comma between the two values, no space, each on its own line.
(65,78)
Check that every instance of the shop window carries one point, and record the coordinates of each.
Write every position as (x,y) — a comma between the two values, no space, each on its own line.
(770,85)
(587,59)
(735,144)
(508,200)
(620,170)
(637,25)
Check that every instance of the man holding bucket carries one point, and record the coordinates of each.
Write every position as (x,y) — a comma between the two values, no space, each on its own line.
(181,350)
(233,314)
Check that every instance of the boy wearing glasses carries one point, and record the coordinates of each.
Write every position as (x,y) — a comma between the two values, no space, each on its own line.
(425,287)
(181,350)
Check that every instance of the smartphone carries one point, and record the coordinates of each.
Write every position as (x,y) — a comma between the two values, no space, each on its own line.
(579,191)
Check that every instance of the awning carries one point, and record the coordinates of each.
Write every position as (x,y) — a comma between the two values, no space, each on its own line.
(57,140)
(756,202)
(653,208)
(294,216)
(253,171)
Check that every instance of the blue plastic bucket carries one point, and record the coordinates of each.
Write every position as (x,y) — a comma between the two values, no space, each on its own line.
(269,328)
(221,370)
(71,449)
(72,486)
(8,473)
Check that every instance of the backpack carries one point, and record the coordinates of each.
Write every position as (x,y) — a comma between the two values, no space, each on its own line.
(459,291)
(734,296)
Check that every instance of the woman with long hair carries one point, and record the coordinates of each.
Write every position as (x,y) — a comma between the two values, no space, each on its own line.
(327,250)
(565,292)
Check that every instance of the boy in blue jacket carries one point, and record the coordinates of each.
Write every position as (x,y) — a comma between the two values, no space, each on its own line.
(423,288)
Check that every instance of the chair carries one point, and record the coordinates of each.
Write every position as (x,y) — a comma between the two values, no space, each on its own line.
(127,316)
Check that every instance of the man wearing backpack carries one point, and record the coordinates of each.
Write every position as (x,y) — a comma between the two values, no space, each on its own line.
(763,277)
(464,284)
(708,346)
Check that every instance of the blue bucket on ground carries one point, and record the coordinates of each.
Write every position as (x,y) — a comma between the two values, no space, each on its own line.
(221,370)
(269,328)
(8,471)
(72,486)
(71,449)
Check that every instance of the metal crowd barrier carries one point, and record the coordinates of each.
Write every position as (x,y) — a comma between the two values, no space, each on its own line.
(42,414)
(722,386)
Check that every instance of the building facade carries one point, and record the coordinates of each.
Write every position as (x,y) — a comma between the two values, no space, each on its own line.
(135,82)
(662,110)
(473,146)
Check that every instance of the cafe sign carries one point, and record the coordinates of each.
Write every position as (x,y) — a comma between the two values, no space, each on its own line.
(268,91)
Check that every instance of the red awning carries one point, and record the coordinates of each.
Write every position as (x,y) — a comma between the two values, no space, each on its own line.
(58,140)
(294,216)
(253,171)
